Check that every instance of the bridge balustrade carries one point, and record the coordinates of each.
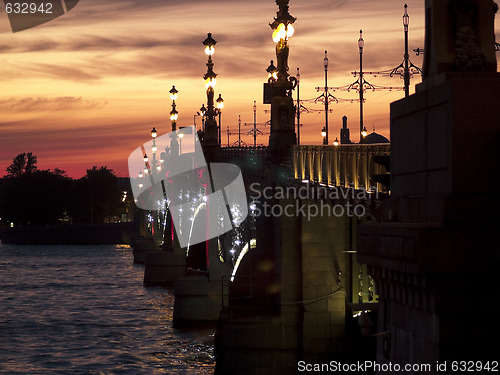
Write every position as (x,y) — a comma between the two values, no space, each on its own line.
(349,166)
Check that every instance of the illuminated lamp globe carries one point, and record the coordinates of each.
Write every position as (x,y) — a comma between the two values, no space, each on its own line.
(173,93)
(220,102)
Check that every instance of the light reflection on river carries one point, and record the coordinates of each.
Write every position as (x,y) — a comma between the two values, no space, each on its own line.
(83,310)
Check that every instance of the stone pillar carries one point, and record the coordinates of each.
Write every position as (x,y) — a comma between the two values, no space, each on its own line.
(435,254)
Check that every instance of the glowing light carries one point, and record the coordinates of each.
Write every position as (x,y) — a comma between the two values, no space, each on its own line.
(210,50)
(210,83)
(246,248)
(283,32)
(173,93)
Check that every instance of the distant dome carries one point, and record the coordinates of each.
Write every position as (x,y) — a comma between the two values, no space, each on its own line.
(374,138)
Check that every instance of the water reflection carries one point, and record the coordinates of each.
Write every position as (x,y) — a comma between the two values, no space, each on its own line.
(84,310)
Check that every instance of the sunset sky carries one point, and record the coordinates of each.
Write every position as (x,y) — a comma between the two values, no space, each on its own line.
(87,88)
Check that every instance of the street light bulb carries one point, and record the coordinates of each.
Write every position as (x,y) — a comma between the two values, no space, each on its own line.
(181,135)
(361,42)
(174,116)
(290,31)
(210,82)
(154,133)
(220,102)
(280,33)
(276,37)
(209,50)
(364,132)
(145,158)
(336,142)
(323,132)
(154,148)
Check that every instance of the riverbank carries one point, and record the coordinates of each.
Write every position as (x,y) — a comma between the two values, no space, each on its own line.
(81,234)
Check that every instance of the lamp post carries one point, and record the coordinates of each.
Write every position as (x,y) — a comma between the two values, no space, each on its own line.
(325,64)
(361,45)
(174,115)
(406,22)
(194,118)
(154,148)
(298,106)
(254,123)
(220,105)
(203,111)
(282,108)
(210,137)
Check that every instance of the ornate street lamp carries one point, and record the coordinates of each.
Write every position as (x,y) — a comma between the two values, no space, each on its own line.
(298,106)
(282,107)
(203,111)
(336,142)
(210,137)
(174,115)
(220,106)
(325,64)
(282,31)
(361,45)
(406,75)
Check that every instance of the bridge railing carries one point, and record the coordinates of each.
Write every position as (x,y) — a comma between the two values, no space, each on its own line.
(349,166)
(251,160)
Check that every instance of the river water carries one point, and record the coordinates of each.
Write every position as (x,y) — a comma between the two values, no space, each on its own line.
(84,310)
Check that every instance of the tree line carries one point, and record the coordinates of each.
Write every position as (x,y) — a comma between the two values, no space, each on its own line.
(32,196)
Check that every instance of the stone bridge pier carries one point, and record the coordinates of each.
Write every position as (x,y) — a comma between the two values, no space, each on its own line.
(434,255)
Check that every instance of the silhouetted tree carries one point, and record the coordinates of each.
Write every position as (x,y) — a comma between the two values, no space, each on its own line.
(29,196)
(24,163)
(97,196)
